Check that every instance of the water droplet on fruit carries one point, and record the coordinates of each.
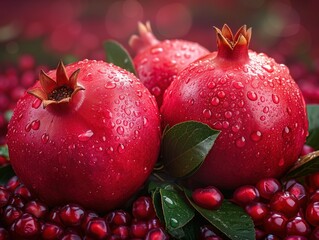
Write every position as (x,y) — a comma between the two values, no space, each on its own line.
(269,68)
(221,94)
(240,142)
(83,137)
(263,118)
(157,50)
(228,114)
(235,128)
(145,121)
(289,110)
(120,130)
(102,70)
(110,85)
(275,98)
(281,162)
(108,114)
(45,138)
(156,91)
(215,101)
(238,85)
(207,113)
(88,77)
(241,103)
(110,150)
(225,124)
(266,109)
(211,85)
(35,125)
(217,125)
(286,130)
(155,60)
(174,223)
(139,93)
(256,136)
(28,127)
(191,101)
(252,95)
(120,148)
(36,103)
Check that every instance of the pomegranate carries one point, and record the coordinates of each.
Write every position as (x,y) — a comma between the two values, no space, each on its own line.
(95,140)
(252,100)
(158,62)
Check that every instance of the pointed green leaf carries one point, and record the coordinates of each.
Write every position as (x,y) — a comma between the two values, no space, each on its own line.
(230,219)
(118,55)
(4,151)
(313,119)
(6,172)
(185,147)
(306,165)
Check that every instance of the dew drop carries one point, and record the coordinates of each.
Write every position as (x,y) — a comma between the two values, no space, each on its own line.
(156,91)
(289,110)
(169,202)
(266,109)
(120,130)
(88,77)
(286,130)
(36,103)
(211,85)
(238,85)
(139,93)
(252,95)
(217,125)
(269,68)
(191,101)
(215,101)
(174,223)
(155,60)
(241,103)
(35,124)
(83,137)
(228,114)
(256,136)
(207,113)
(240,142)
(108,114)
(45,138)
(225,124)
(263,118)
(221,94)
(145,121)
(281,162)
(110,85)
(275,98)
(120,148)
(110,150)
(102,70)
(235,128)
(157,50)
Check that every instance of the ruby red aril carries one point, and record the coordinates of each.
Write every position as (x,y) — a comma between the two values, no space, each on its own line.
(245,195)
(285,203)
(158,62)
(143,208)
(276,223)
(36,208)
(298,226)
(209,197)
(156,234)
(97,228)
(26,227)
(71,215)
(254,103)
(4,197)
(295,238)
(312,213)
(4,235)
(50,231)
(10,214)
(300,192)
(267,187)
(258,212)
(87,124)
(139,229)
(118,218)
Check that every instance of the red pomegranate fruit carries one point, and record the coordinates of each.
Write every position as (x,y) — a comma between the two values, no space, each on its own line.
(158,62)
(95,140)
(252,100)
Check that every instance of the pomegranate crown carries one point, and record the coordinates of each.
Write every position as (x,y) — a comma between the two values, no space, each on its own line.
(233,45)
(57,91)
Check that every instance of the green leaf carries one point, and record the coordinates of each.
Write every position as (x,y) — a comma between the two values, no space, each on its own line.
(177,213)
(6,172)
(157,202)
(306,165)
(118,55)
(230,219)
(313,119)
(4,151)
(185,147)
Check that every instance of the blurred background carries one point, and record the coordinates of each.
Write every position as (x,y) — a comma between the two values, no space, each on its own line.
(37,34)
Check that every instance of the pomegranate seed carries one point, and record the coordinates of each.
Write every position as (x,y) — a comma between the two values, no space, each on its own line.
(87,217)
(295,238)
(209,197)
(276,223)
(245,195)
(312,213)
(10,214)
(156,234)
(118,218)
(4,235)
(122,231)
(143,208)
(154,223)
(139,229)
(51,231)
(13,183)
(4,197)
(268,187)
(298,226)
(23,192)
(71,236)
(259,234)
(71,215)
(97,228)
(207,233)
(257,211)
(26,227)
(299,191)
(285,203)
(36,208)
(16,201)
(54,216)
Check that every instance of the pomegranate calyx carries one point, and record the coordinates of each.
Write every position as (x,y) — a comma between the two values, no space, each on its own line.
(57,91)
(233,45)
(145,38)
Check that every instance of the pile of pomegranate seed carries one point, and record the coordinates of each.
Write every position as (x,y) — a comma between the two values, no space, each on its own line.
(22,217)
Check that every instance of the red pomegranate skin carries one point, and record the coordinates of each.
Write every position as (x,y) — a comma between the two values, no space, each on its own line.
(252,100)
(96,150)
(157,62)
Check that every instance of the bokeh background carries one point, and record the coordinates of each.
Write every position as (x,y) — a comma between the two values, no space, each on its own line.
(37,34)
